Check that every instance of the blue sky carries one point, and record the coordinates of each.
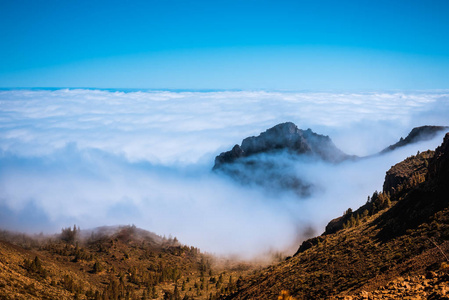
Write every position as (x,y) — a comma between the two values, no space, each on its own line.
(245,44)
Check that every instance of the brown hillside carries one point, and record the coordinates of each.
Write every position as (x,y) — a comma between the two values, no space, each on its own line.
(386,251)
(111,263)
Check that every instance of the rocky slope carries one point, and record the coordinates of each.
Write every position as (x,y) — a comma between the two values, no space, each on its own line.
(433,285)
(399,180)
(407,172)
(384,250)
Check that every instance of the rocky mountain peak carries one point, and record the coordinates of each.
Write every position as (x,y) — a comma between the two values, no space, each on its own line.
(284,137)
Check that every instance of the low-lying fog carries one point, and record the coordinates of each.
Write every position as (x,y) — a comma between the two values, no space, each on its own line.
(93,158)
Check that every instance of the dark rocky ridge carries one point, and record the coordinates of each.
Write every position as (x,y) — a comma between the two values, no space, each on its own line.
(418,134)
(401,178)
(418,203)
(284,137)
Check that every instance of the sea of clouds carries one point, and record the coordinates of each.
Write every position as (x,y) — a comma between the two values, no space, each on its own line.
(100,157)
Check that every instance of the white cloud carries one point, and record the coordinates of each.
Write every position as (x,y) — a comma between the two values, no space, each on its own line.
(101,157)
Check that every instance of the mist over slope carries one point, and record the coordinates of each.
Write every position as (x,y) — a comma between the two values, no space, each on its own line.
(96,158)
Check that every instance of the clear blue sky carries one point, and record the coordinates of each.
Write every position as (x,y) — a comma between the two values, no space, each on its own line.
(215,44)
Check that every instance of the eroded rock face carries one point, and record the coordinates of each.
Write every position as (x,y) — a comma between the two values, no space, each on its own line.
(407,173)
(284,137)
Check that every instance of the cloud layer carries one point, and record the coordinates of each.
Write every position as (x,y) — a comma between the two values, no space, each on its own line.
(96,157)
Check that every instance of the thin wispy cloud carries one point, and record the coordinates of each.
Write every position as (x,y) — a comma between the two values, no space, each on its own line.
(95,157)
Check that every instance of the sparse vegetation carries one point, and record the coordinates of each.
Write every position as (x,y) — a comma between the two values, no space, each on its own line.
(35,267)
(128,263)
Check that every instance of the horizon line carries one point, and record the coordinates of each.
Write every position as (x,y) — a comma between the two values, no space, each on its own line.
(209,90)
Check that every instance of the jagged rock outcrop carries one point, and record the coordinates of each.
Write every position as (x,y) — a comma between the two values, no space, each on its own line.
(407,173)
(418,134)
(284,137)
(335,225)
(307,244)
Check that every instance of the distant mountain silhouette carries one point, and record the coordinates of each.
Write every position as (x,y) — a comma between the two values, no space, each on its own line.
(418,134)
